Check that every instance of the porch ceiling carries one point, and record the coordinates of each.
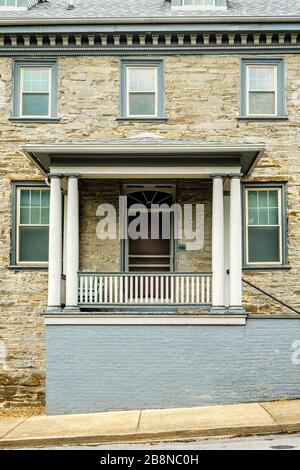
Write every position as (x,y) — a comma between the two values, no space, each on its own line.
(144,157)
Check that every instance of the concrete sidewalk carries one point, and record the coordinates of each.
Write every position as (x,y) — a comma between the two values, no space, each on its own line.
(141,425)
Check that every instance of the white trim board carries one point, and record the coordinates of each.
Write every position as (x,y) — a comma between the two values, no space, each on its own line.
(167,320)
(144,171)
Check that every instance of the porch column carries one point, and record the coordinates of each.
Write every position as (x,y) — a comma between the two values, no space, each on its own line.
(72,245)
(55,245)
(218,301)
(235,245)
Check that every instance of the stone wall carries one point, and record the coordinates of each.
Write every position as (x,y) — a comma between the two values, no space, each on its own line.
(202,102)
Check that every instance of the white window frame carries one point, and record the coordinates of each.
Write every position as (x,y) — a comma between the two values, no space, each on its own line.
(248,91)
(21,91)
(183,6)
(279,225)
(18,225)
(136,67)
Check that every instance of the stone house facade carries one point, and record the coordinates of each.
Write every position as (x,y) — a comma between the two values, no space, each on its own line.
(216,124)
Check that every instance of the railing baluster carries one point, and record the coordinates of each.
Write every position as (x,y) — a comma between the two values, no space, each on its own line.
(121,289)
(207,290)
(81,289)
(142,288)
(187,288)
(151,289)
(156,289)
(197,290)
(101,289)
(146,289)
(131,289)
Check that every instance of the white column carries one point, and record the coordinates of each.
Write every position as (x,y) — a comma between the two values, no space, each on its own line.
(218,302)
(55,245)
(235,244)
(72,245)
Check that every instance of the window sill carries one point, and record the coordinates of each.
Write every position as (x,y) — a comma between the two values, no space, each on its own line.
(16,267)
(258,119)
(34,120)
(266,268)
(129,119)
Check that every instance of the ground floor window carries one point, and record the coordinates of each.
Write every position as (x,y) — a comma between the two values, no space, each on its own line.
(31,224)
(265,225)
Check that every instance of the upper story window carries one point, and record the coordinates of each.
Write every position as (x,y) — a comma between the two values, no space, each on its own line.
(31,224)
(262,88)
(199,4)
(35,90)
(13,4)
(265,226)
(142,93)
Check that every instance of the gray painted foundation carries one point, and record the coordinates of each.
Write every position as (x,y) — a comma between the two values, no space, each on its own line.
(94,368)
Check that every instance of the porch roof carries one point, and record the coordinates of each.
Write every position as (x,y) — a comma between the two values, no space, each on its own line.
(143,151)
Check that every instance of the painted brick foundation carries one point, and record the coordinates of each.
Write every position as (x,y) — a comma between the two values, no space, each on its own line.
(96,368)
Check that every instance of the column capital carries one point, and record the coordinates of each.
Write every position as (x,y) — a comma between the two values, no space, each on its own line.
(236,176)
(219,175)
(54,175)
(72,175)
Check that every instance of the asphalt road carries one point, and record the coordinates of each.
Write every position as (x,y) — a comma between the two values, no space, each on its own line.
(271,442)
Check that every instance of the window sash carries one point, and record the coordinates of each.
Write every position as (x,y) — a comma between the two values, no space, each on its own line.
(249,226)
(273,90)
(20,225)
(23,92)
(9,3)
(129,91)
(200,3)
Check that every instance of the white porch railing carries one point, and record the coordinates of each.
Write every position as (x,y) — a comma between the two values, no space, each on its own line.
(109,289)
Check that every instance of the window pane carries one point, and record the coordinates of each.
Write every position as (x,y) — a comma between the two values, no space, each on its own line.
(263,217)
(142,79)
(45,198)
(263,244)
(44,216)
(35,80)
(273,198)
(25,197)
(252,199)
(261,103)
(273,217)
(142,104)
(263,199)
(35,215)
(36,197)
(199,2)
(35,105)
(33,244)
(24,215)
(253,217)
(261,78)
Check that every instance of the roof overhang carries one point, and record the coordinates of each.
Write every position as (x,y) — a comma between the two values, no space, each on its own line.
(179,157)
(151,20)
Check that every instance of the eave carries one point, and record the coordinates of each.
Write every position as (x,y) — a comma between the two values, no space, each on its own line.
(90,156)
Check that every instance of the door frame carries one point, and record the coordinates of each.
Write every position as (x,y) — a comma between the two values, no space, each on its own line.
(168,188)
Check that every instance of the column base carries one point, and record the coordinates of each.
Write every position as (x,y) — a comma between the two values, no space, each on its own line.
(239,309)
(53,309)
(72,309)
(220,310)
